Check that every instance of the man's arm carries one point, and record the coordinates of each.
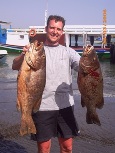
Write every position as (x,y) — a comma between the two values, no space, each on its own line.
(17,62)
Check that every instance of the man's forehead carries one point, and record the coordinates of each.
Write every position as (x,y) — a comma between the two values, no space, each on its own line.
(56,23)
(53,20)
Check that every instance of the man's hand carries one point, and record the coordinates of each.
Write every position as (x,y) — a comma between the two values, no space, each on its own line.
(25,49)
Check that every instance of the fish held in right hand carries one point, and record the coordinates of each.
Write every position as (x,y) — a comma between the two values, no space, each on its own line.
(30,85)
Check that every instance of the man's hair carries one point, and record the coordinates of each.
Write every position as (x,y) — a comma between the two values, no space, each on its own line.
(56,18)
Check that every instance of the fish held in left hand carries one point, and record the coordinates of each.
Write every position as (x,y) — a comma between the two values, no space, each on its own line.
(30,85)
(90,84)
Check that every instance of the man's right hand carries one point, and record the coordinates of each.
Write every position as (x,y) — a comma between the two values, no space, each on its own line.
(25,49)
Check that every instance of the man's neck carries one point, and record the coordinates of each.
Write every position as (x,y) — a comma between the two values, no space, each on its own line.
(51,44)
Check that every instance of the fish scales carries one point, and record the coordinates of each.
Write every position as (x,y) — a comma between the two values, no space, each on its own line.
(90,84)
(30,85)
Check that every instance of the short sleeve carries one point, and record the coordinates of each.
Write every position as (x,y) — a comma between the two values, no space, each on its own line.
(74,58)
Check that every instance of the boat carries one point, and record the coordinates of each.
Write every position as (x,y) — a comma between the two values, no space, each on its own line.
(3,53)
(13,40)
(103,53)
(74,36)
(12,48)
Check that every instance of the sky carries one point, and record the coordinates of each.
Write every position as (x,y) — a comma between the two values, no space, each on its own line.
(25,13)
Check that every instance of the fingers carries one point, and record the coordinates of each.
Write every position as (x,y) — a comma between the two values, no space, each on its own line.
(26,49)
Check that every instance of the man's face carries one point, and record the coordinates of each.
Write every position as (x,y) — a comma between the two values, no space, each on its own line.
(54,32)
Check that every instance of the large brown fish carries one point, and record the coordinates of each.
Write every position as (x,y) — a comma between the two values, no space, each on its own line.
(90,84)
(30,85)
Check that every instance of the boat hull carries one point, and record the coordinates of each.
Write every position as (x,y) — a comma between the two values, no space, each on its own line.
(101,52)
(101,56)
(11,48)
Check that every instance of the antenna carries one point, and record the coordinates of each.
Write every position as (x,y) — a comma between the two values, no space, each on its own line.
(46,12)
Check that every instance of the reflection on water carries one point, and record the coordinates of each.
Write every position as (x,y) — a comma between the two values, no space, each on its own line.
(6,71)
(108,71)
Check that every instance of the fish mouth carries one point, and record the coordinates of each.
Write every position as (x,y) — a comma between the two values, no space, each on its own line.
(88,49)
(38,45)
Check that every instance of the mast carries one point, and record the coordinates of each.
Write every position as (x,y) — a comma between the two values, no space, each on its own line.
(46,12)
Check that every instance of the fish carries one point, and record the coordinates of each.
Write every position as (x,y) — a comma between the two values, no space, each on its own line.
(90,84)
(31,81)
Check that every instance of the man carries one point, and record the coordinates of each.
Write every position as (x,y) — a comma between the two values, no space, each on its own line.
(55,117)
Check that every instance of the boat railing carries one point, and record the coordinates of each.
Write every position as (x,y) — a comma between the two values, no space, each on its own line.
(16,31)
(70,29)
(89,29)
(26,31)
(39,29)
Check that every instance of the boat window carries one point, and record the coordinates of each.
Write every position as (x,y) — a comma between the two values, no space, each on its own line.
(22,36)
(3,35)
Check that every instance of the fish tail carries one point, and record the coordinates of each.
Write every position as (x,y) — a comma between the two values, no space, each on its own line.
(82,102)
(100,105)
(92,117)
(27,126)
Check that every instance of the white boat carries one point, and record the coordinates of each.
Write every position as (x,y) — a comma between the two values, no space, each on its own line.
(13,40)
(20,37)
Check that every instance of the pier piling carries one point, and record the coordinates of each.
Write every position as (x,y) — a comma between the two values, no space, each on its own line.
(112,54)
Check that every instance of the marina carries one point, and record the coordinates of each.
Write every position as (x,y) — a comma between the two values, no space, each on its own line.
(87,22)
(74,36)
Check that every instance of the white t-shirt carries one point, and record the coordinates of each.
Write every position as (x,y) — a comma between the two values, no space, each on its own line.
(58,93)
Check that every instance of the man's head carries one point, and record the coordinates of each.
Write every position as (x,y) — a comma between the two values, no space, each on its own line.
(54,29)
(56,18)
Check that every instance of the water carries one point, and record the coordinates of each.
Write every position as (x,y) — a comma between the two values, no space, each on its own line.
(6,72)
(108,71)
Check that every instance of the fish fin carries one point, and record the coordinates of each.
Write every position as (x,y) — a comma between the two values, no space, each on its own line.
(82,102)
(92,117)
(18,105)
(27,126)
(37,105)
(100,105)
